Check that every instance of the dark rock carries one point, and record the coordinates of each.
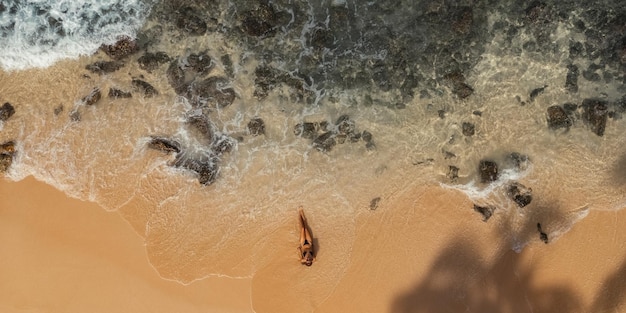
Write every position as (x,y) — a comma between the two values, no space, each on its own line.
(488,171)
(374,203)
(370,146)
(477,113)
(259,22)
(117,93)
(570,107)
(58,109)
(200,63)
(164,144)
(345,125)
(207,170)
(595,114)
(462,21)
(6,111)
(356,137)
(571,80)
(325,142)
(542,236)
(203,125)
(558,117)
(518,161)
(468,129)
(151,61)
(176,78)
(367,136)
(520,194)
(75,116)
(103,67)
(147,89)
(591,75)
(441,114)
(306,130)
(537,91)
(256,126)
(188,21)
(462,90)
(7,152)
(576,50)
(485,211)
(212,92)
(453,173)
(124,47)
(223,144)
(93,97)
(228,64)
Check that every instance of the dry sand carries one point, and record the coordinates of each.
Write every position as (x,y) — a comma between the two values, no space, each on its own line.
(64,255)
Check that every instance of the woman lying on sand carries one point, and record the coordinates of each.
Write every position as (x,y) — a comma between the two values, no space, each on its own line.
(306,252)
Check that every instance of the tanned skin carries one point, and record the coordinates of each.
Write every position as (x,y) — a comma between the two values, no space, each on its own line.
(305,250)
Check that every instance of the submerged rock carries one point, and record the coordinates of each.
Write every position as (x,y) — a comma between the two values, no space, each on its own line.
(468,129)
(536,92)
(93,97)
(256,126)
(202,125)
(374,203)
(324,142)
(453,173)
(223,144)
(459,87)
(558,117)
(191,23)
(306,130)
(176,78)
(520,194)
(345,125)
(260,22)
(367,136)
(518,161)
(571,80)
(485,211)
(117,93)
(147,89)
(200,63)
(6,111)
(488,171)
(104,67)
(595,113)
(207,170)
(151,61)
(124,47)
(212,92)
(7,151)
(164,144)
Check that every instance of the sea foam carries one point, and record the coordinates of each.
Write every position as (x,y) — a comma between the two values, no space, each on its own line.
(37,33)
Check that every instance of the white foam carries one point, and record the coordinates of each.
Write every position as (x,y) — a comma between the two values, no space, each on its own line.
(38,33)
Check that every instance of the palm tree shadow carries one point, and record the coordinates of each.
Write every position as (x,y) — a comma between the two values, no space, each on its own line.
(461,281)
(611,295)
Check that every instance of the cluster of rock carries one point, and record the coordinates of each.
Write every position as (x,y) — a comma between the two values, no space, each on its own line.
(593,112)
(325,136)
(520,194)
(489,172)
(7,149)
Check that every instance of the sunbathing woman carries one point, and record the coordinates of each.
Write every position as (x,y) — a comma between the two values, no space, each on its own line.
(306,251)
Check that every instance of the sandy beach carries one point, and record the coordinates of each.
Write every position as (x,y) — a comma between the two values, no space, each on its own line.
(65,255)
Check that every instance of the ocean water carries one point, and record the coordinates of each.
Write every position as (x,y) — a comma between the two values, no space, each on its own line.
(412,93)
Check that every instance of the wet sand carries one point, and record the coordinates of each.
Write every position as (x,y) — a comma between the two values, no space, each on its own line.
(65,255)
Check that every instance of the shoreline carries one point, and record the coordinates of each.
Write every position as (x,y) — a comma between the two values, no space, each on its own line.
(420,263)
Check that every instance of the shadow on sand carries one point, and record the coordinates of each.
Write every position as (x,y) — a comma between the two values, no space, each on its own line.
(460,280)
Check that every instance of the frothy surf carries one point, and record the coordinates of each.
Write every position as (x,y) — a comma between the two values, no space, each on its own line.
(40,33)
